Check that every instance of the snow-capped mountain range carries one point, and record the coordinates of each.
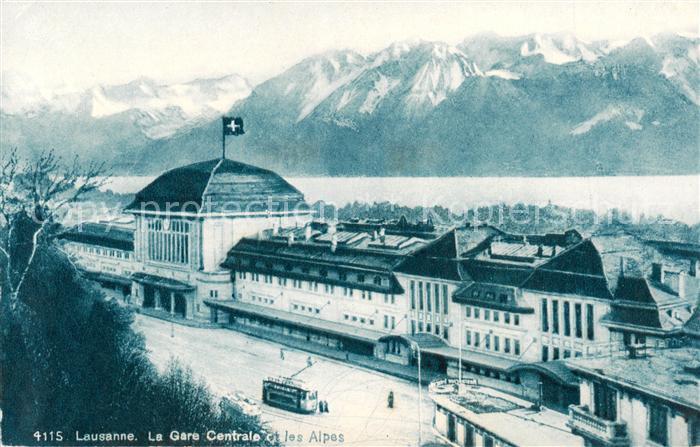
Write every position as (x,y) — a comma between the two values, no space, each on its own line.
(158,110)
(536,104)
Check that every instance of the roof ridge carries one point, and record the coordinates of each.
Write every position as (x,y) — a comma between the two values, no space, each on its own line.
(211,176)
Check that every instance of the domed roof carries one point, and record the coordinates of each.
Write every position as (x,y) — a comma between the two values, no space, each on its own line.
(218,186)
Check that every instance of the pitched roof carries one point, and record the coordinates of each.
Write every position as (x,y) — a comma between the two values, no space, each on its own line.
(578,270)
(214,186)
(101,234)
(495,273)
(645,304)
(441,258)
(357,252)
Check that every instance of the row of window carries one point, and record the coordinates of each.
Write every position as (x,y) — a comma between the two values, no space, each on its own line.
(491,342)
(492,315)
(312,286)
(420,326)
(110,252)
(420,295)
(262,300)
(557,353)
(361,278)
(358,319)
(389,322)
(305,308)
(556,322)
(168,240)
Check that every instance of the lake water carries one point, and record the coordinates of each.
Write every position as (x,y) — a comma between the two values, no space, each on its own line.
(675,197)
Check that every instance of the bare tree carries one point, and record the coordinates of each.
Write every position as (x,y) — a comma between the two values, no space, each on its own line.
(40,189)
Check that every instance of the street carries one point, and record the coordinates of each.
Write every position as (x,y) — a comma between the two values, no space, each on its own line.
(357,397)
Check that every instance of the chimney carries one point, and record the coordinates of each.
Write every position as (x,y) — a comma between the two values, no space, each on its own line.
(275,229)
(694,268)
(382,235)
(334,242)
(539,251)
(374,235)
(332,228)
(307,232)
(657,272)
(290,239)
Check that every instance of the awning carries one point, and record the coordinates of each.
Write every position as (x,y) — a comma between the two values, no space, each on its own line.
(158,281)
(480,359)
(556,370)
(432,344)
(422,339)
(107,278)
(297,320)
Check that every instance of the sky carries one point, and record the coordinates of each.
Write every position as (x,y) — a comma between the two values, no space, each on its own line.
(80,44)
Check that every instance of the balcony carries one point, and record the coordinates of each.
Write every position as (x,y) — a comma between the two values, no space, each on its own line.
(588,425)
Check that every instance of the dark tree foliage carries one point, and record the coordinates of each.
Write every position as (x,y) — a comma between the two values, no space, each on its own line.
(70,361)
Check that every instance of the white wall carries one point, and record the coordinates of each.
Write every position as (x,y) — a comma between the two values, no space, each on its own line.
(101,262)
(285,297)
(634,412)
(600,345)
(219,234)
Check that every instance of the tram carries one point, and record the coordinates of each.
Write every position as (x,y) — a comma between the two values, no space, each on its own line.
(289,394)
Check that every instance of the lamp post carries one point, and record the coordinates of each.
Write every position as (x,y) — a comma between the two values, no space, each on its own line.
(420,395)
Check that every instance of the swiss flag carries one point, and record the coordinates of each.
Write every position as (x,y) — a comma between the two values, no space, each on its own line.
(232,125)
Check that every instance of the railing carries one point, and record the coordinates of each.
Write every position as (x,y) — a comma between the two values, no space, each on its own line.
(614,433)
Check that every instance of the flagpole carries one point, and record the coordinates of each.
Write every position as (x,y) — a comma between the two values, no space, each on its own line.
(223,140)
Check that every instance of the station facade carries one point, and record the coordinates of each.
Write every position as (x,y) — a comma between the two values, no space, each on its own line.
(236,244)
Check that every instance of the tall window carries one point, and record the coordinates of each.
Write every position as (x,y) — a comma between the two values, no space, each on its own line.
(604,402)
(436,296)
(577,320)
(555,316)
(544,315)
(658,424)
(445,299)
(413,294)
(168,240)
(420,294)
(427,297)
(590,334)
(567,319)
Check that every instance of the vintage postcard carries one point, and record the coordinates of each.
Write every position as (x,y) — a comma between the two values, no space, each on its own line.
(372,224)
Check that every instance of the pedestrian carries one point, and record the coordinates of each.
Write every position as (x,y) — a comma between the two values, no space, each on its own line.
(325,406)
(347,356)
(390,399)
(309,362)
(282,353)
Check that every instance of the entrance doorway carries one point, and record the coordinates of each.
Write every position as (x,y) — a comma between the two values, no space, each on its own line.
(149,298)
(180,305)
